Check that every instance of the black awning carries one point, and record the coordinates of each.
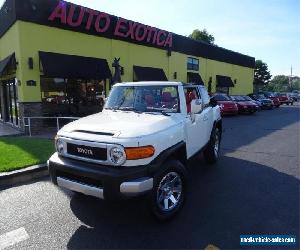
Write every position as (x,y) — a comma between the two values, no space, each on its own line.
(224,81)
(8,64)
(74,67)
(195,78)
(149,74)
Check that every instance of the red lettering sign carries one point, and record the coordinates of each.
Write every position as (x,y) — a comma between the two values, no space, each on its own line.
(59,12)
(131,29)
(161,37)
(169,41)
(92,14)
(121,25)
(141,33)
(105,17)
(74,15)
(150,31)
(71,14)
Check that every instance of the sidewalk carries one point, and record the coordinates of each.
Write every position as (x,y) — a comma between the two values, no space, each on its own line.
(6,130)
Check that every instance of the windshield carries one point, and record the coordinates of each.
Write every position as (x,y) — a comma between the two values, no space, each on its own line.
(247,98)
(237,98)
(221,98)
(269,94)
(144,99)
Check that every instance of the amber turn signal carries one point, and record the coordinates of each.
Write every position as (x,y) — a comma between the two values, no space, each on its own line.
(139,152)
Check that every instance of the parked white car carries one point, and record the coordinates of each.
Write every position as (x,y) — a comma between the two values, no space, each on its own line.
(139,144)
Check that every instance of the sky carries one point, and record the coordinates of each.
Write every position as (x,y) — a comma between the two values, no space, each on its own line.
(265,29)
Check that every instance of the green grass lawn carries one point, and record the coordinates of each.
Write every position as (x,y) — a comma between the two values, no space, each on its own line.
(20,152)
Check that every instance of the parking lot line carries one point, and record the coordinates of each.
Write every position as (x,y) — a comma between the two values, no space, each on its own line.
(13,237)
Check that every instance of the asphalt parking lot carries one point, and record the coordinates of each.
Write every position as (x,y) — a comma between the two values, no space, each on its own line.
(254,189)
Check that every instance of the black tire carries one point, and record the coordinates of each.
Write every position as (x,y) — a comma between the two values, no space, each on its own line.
(173,168)
(211,153)
(292,103)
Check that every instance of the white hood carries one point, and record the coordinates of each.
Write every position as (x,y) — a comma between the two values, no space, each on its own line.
(123,124)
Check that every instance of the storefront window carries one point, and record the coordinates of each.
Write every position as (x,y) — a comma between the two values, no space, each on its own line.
(192,64)
(71,97)
(224,90)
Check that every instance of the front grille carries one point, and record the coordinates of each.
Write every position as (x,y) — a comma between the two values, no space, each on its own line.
(87,152)
(80,179)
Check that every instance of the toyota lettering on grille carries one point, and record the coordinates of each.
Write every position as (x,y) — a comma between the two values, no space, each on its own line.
(84,151)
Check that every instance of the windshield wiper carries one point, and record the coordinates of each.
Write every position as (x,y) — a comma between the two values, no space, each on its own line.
(157,111)
(130,109)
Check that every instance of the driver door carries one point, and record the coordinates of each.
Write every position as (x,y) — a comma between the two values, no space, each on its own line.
(195,124)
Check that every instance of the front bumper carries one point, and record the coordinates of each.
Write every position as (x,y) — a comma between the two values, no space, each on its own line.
(248,109)
(229,111)
(105,182)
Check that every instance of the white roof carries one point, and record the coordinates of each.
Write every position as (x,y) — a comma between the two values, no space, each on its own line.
(148,83)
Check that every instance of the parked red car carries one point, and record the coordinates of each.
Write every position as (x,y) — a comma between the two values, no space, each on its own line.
(284,98)
(243,105)
(227,106)
(273,97)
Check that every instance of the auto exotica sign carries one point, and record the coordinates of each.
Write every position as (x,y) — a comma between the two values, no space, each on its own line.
(77,16)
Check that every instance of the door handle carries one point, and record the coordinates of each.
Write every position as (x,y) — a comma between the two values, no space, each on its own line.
(205,117)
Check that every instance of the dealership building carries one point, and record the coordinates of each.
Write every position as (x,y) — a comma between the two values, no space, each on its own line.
(61,59)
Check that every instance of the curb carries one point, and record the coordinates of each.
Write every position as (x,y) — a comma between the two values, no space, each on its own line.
(23,175)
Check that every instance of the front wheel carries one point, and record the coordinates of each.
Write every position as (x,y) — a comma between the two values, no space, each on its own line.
(211,153)
(169,191)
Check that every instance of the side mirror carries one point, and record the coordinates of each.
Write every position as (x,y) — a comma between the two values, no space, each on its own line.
(196,106)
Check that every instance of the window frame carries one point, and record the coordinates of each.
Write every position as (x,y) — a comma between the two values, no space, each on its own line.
(193,63)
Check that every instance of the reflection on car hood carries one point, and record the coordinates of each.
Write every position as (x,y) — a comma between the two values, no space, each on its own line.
(123,124)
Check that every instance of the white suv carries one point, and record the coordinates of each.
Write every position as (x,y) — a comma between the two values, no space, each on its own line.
(139,144)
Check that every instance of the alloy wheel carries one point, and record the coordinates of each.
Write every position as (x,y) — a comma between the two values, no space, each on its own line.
(217,143)
(169,191)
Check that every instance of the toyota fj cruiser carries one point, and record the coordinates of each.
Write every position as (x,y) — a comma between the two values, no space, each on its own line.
(139,144)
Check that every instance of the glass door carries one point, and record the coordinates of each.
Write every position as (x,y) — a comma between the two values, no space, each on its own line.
(11,102)
(1,111)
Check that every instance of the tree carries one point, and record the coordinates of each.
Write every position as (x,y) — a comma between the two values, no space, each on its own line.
(202,35)
(262,75)
(282,83)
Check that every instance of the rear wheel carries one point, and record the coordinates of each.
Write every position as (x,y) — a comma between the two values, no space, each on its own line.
(169,191)
(211,153)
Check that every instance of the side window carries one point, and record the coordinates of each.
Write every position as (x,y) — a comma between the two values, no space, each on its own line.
(205,96)
(191,93)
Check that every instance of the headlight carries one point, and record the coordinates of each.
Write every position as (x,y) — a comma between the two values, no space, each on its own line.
(59,145)
(117,155)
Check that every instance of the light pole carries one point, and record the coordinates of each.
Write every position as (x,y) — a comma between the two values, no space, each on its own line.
(290,78)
